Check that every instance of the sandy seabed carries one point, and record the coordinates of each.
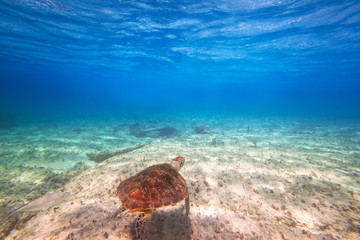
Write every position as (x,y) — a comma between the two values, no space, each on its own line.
(249,178)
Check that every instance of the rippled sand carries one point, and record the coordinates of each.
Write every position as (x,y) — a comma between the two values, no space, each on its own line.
(248,179)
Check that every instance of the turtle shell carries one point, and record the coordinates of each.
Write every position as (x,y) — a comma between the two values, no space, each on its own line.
(154,187)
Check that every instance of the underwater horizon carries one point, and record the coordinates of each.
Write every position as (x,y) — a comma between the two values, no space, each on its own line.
(261,98)
(282,58)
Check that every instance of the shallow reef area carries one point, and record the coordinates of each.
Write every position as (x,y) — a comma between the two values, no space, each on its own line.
(248,178)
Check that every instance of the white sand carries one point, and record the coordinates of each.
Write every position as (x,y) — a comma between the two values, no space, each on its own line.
(301,181)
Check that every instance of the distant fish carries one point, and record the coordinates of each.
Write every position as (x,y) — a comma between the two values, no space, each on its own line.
(41,203)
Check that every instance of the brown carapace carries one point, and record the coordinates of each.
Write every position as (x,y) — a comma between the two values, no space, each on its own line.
(154,187)
(157,186)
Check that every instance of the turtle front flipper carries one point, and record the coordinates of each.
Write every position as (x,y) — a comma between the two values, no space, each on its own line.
(142,225)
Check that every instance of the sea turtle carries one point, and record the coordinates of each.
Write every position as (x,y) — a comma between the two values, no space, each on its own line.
(154,187)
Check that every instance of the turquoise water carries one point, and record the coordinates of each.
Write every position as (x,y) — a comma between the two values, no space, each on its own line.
(260,97)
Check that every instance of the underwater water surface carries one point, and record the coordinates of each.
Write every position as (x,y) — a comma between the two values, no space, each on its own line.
(260,97)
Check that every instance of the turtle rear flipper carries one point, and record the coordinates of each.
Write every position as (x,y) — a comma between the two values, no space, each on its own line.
(142,226)
(187,207)
(118,212)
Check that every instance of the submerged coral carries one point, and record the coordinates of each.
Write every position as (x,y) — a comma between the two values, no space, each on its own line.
(138,131)
(167,131)
(101,156)
(202,129)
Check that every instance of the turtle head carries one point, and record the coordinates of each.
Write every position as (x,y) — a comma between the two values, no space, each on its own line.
(178,162)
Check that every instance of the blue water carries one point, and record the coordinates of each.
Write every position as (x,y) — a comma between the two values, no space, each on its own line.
(90,58)
(261,97)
